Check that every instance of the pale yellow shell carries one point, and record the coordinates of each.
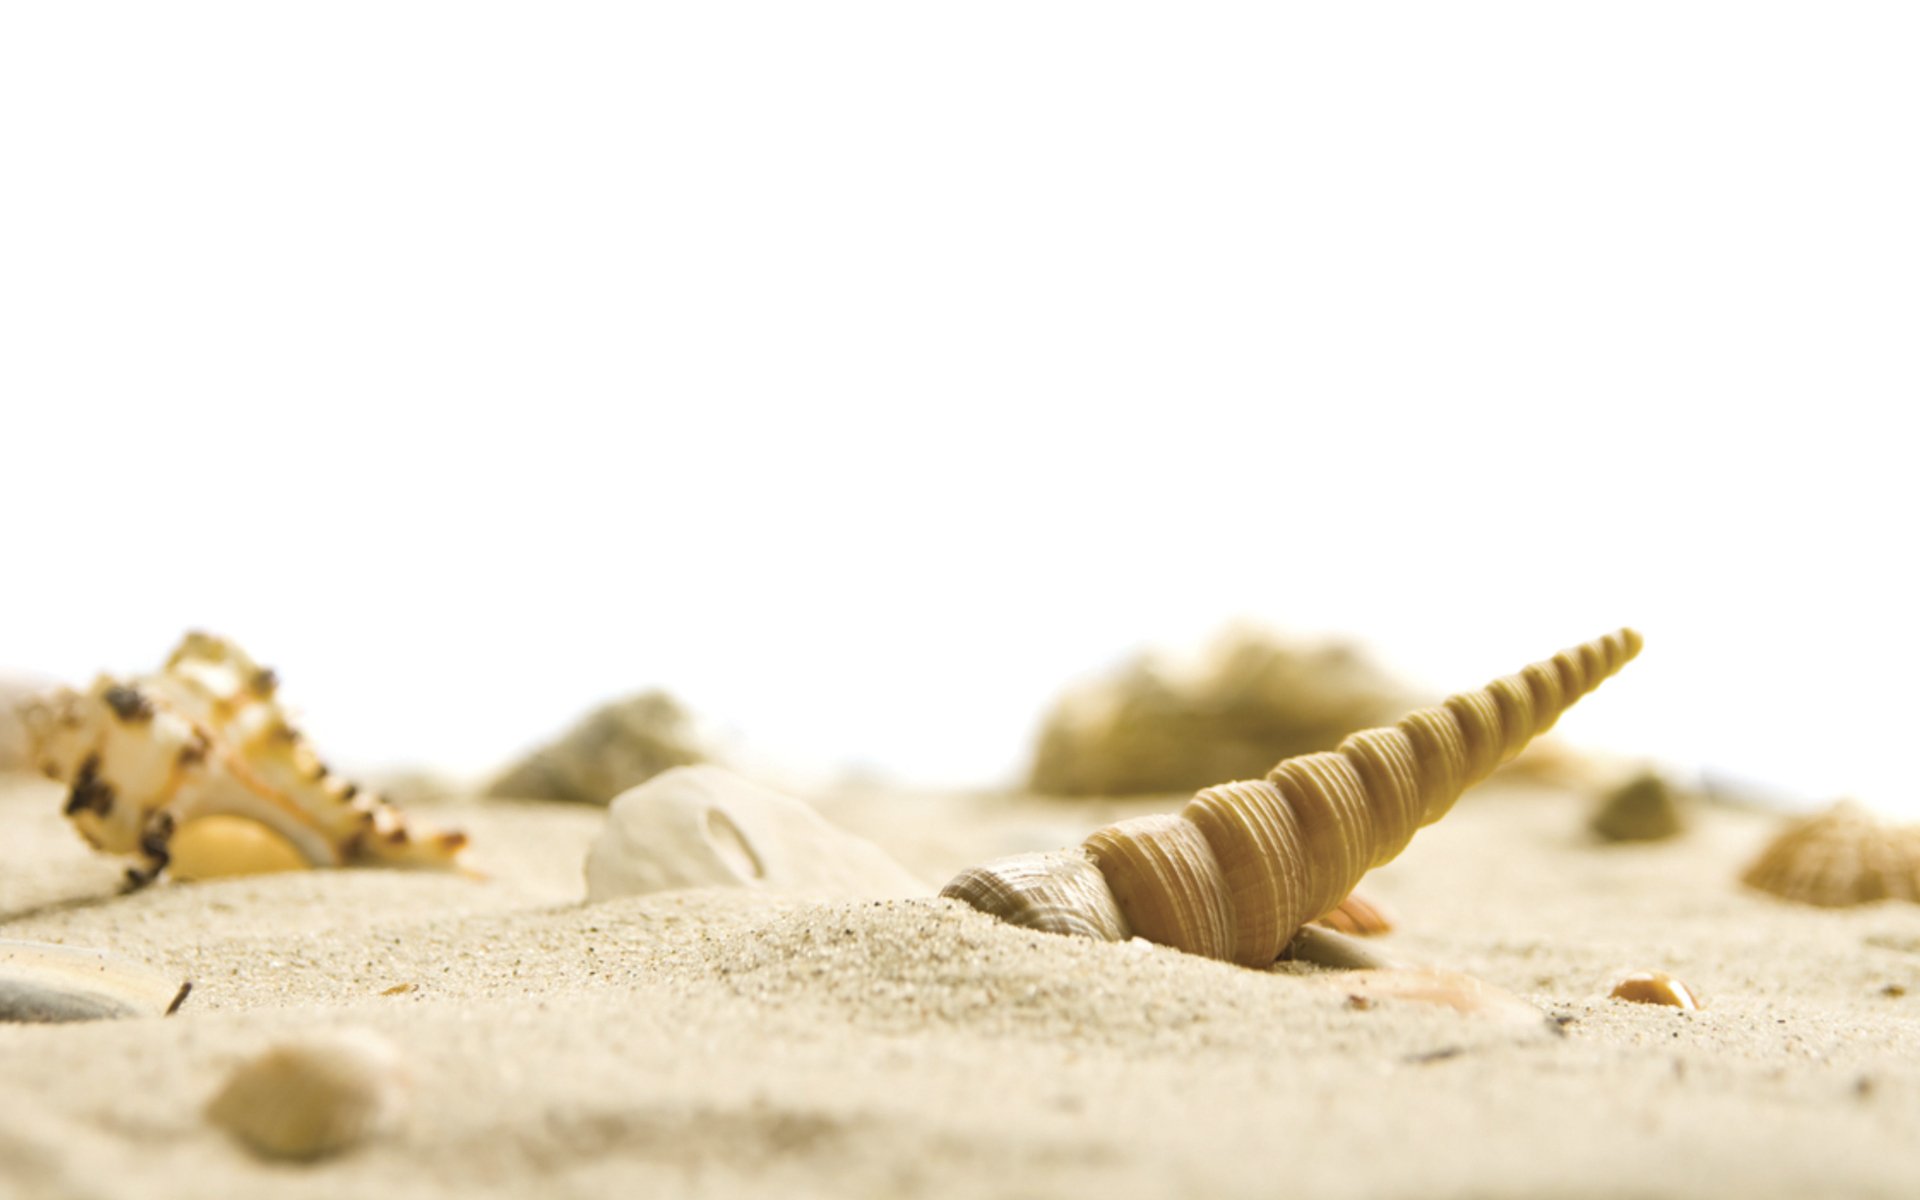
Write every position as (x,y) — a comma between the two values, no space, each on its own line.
(313,1096)
(1244,865)
(205,737)
(1839,857)
(219,846)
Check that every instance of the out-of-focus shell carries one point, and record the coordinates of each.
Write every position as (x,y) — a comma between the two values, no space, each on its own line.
(1155,727)
(51,983)
(1643,809)
(313,1096)
(1656,987)
(206,736)
(1839,857)
(613,748)
(1244,865)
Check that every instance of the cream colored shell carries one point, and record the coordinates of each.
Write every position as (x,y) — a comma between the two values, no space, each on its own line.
(1839,857)
(205,737)
(313,1096)
(1244,865)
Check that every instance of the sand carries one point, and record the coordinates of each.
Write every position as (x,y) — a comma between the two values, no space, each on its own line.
(728,1044)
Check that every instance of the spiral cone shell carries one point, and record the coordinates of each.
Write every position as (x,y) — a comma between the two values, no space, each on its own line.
(1244,865)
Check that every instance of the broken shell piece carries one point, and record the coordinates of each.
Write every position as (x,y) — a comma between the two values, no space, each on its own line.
(1643,809)
(220,846)
(1437,988)
(47,983)
(1238,871)
(313,1096)
(1656,987)
(206,736)
(707,827)
(1840,857)
(1359,915)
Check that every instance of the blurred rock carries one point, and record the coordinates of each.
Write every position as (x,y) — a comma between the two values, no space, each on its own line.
(707,827)
(1256,700)
(613,748)
(1643,809)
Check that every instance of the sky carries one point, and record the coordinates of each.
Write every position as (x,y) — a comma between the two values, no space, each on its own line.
(866,374)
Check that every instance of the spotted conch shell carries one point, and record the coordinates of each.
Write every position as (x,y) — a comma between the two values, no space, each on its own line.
(205,737)
(1238,871)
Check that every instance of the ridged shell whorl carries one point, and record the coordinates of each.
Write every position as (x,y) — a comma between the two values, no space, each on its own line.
(1243,866)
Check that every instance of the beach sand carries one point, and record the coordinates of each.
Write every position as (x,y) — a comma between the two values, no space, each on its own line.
(732,1044)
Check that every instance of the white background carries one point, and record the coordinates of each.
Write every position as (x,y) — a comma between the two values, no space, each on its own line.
(864,374)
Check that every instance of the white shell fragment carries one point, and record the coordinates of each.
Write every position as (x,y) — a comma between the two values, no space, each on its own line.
(314,1096)
(704,826)
(47,983)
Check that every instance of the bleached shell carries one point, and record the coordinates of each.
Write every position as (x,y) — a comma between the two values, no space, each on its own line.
(704,826)
(313,1096)
(50,983)
(206,736)
(1840,857)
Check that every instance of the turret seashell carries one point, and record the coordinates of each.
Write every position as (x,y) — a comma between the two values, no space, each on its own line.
(314,1096)
(205,737)
(1839,857)
(1244,865)
(48,983)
